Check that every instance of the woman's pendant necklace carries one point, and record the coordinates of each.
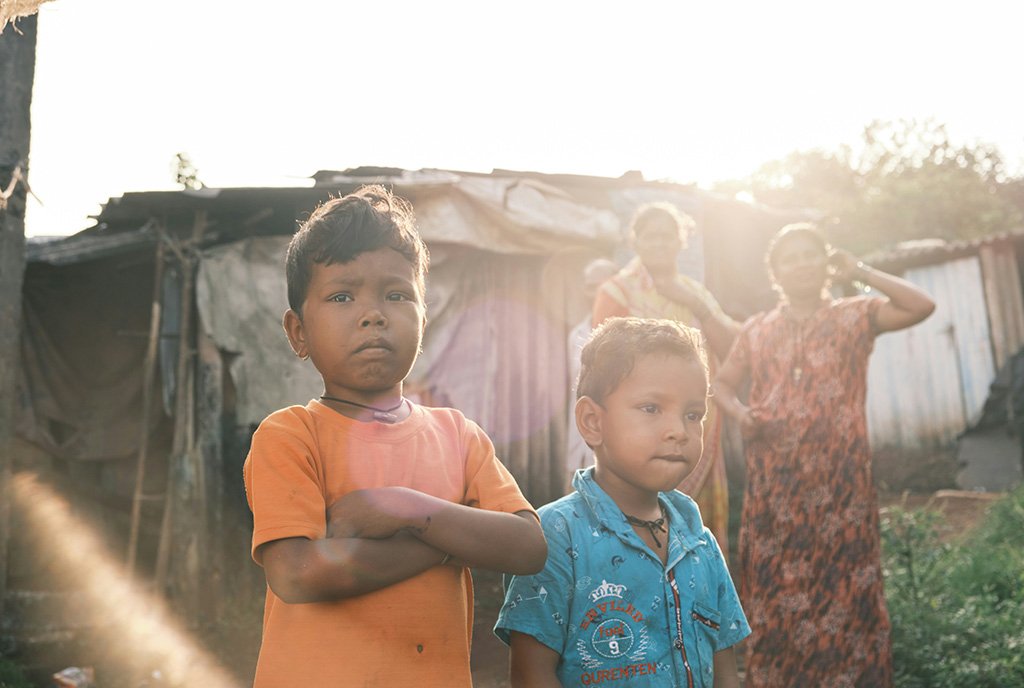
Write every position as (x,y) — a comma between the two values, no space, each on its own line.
(800,325)
(379,414)
(798,358)
(653,527)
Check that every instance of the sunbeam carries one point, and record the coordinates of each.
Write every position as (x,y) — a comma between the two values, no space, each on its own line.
(135,626)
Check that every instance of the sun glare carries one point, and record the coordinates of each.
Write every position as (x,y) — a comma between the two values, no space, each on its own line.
(136,629)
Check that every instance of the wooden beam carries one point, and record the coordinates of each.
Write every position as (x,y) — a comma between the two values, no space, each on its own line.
(17,72)
(210,425)
(148,375)
(181,467)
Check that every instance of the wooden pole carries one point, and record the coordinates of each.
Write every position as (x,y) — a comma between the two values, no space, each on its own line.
(181,444)
(210,426)
(17,71)
(148,374)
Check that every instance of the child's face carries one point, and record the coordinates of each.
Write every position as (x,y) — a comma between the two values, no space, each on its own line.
(651,427)
(362,324)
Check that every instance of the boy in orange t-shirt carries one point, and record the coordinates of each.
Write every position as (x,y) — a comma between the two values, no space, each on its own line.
(367,508)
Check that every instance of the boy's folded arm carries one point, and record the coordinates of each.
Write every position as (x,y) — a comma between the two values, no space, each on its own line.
(510,543)
(532,664)
(300,570)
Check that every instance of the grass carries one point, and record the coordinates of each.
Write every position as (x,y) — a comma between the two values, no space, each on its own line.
(11,675)
(956,605)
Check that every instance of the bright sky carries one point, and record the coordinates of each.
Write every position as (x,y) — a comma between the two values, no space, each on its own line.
(266,93)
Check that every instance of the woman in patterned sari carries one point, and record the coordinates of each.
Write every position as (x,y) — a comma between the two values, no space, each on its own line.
(810,562)
(650,286)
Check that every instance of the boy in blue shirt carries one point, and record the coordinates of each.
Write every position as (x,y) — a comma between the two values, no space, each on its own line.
(635,590)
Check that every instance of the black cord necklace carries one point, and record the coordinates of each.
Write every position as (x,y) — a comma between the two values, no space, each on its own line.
(654,527)
(383,415)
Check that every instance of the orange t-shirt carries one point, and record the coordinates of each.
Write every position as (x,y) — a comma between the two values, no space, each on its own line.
(416,632)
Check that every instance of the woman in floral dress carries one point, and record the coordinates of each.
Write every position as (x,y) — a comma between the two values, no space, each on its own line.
(810,563)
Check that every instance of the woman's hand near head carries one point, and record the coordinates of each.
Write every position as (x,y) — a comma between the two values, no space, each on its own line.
(843,265)
(907,304)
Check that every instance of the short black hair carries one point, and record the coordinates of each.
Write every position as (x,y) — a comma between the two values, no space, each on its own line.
(616,344)
(340,229)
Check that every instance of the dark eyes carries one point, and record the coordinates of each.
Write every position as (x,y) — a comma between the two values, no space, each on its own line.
(691,416)
(346,298)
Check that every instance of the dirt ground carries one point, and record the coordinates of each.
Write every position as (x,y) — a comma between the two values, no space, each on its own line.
(490,655)
(961,511)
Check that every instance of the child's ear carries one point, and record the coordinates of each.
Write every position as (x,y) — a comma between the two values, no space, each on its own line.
(296,333)
(589,417)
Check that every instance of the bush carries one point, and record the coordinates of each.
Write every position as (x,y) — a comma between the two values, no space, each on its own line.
(956,608)
(11,675)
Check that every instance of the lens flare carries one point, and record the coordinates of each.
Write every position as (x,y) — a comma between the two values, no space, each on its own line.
(134,626)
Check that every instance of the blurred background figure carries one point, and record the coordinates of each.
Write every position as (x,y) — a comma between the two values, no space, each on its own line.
(810,557)
(578,454)
(651,286)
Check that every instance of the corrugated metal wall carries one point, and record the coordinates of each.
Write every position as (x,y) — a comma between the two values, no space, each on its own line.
(927,383)
(1005,301)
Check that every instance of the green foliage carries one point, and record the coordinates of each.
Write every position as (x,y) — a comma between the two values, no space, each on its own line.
(956,608)
(11,675)
(903,181)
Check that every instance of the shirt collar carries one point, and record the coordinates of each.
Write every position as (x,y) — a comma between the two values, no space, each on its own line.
(686,531)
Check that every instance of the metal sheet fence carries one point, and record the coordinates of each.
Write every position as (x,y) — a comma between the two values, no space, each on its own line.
(927,383)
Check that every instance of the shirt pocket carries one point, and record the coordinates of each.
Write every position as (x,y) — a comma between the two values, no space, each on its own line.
(706,622)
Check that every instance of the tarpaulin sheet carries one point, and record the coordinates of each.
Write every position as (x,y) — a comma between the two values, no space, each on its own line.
(494,345)
(83,344)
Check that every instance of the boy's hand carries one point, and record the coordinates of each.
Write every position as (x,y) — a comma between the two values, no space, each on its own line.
(369,513)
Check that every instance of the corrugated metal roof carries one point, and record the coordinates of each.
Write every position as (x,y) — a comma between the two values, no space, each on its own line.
(921,252)
(118,224)
(87,245)
(133,206)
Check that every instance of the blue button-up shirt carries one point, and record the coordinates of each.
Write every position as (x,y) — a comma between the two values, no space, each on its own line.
(608,606)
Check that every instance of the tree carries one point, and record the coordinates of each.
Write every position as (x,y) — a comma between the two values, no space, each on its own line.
(905,180)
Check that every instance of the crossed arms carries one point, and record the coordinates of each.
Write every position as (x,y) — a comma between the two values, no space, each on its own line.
(379,537)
